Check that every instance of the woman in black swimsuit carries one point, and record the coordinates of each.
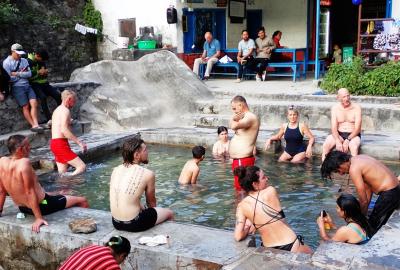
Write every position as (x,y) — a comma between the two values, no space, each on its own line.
(261,210)
(293,132)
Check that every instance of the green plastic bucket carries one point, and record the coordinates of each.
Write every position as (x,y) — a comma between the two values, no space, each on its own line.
(147,44)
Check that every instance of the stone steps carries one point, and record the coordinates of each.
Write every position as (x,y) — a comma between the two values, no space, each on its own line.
(265,95)
(383,146)
(272,113)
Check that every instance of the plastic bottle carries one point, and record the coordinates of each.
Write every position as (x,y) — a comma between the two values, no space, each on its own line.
(327,226)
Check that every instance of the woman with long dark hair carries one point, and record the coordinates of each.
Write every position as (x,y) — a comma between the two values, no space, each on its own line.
(357,229)
(261,210)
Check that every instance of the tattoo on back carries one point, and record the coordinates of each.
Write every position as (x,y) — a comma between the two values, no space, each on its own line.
(134,180)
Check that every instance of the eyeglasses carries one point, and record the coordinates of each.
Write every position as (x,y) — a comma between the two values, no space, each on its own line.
(118,242)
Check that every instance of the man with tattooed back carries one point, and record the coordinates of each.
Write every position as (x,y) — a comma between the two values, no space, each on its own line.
(129,182)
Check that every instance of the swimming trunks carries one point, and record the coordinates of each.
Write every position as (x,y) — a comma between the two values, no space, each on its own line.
(247,161)
(61,150)
(48,205)
(288,247)
(145,220)
(269,211)
(385,205)
(294,141)
(360,233)
(345,135)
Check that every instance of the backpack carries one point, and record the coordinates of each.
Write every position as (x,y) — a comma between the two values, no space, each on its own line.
(5,85)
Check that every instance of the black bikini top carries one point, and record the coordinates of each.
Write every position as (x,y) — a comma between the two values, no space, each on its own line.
(269,211)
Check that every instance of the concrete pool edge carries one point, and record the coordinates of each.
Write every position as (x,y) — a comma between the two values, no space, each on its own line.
(191,246)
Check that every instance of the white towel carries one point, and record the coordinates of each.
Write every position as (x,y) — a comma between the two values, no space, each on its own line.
(84,29)
(226,59)
(153,241)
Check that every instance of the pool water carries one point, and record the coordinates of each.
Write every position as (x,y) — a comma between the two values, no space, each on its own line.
(212,202)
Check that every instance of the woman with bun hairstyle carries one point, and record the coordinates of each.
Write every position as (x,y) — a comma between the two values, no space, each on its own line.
(357,230)
(261,210)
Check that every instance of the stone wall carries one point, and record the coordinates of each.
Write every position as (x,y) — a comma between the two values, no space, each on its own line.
(50,24)
(11,114)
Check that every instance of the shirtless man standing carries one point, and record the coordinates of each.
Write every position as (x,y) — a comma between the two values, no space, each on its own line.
(129,182)
(246,125)
(368,176)
(345,126)
(61,132)
(18,179)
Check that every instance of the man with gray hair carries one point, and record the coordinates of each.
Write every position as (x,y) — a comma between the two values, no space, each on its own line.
(211,53)
(19,72)
(345,126)
(61,132)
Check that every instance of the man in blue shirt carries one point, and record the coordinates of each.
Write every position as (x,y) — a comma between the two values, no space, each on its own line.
(19,72)
(246,54)
(211,53)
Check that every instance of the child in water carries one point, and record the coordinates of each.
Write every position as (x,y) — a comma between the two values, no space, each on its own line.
(191,170)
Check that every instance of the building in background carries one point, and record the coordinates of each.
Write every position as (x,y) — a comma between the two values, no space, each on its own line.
(295,18)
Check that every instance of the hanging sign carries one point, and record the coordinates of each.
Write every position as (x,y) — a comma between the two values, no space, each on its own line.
(326,3)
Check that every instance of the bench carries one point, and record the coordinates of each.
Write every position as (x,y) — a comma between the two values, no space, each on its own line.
(321,64)
(231,69)
(295,66)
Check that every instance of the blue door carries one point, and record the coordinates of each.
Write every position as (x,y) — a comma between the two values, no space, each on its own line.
(199,22)
(254,22)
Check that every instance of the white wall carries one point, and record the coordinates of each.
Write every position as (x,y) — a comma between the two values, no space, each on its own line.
(147,13)
(289,16)
(396,9)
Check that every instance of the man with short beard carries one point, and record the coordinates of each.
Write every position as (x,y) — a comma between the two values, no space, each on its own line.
(246,53)
(246,126)
(129,182)
(18,179)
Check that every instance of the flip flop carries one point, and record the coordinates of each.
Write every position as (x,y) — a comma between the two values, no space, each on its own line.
(37,129)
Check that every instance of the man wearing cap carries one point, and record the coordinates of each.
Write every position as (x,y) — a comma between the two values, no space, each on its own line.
(19,72)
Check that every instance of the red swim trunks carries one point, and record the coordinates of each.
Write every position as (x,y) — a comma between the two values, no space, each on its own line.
(61,150)
(247,161)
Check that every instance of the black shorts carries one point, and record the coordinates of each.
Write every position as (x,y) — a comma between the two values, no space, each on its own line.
(145,220)
(48,205)
(345,135)
(385,205)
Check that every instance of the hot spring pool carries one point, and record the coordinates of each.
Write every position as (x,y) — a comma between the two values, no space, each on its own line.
(212,201)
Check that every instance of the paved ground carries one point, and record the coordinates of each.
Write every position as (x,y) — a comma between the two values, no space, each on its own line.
(272,85)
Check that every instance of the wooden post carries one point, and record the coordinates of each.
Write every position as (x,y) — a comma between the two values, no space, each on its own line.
(359,30)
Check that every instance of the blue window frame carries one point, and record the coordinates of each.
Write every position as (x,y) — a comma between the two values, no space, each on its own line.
(388,8)
(200,21)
